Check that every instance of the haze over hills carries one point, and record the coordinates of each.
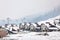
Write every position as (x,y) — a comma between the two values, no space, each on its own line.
(41,17)
(34,18)
(51,20)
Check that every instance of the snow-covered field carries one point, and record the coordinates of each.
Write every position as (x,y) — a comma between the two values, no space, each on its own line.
(32,36)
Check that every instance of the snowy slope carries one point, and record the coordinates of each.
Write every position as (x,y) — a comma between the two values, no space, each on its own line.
(51,20)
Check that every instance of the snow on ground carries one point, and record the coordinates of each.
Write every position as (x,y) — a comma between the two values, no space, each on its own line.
(33,36)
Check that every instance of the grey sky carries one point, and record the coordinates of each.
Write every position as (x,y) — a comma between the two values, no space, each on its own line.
(19,8)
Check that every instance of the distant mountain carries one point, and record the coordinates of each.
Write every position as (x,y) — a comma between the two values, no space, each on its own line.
(51,20)
(38,17)
(35,17)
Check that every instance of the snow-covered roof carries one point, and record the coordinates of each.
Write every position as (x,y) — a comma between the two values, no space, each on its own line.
(53,28)
(34,24)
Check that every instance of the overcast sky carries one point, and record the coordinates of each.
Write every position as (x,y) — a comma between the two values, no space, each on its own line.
(19,8)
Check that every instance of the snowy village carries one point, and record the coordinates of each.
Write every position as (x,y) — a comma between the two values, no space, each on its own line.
(29,19)
(43,28)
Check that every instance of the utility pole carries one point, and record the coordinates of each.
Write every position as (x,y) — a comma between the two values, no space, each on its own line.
(8,20)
